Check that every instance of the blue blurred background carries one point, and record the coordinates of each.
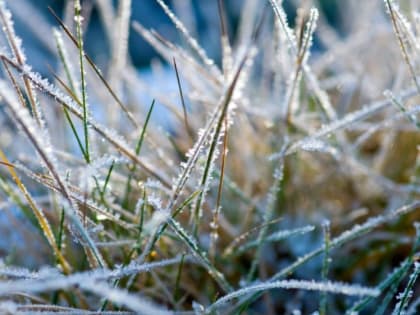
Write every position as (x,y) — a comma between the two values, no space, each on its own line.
(203,24)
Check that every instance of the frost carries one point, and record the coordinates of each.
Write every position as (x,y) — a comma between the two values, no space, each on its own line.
(14,41)
(198,308)
(277,236)
(119,43)
(348,120)
(190,40)
(49,279)
(159,217)
(9,307)
(320,146)
(405,296)
(332,287)
(17,272)
(121,297)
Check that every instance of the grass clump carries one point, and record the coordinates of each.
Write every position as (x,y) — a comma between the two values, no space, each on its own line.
(286,180)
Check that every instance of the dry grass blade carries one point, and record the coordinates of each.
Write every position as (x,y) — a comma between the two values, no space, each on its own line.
(42,220)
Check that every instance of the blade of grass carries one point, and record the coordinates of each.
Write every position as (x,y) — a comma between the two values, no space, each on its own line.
(138,147)
(63,56)
(391,6)
(214,225)
(181,95)
(70,121)
(78,18)
(325,267)
(178,278)
(39,214)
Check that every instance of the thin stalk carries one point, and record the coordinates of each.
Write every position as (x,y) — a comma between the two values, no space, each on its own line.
(181,95)
(138,147)
(390,5)
(325,267)
(78,18)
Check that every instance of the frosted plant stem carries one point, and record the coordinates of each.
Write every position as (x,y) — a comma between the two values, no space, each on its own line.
(78,18)
(271,207)
(391,6)
(190,40)
(325,267)
(336,288)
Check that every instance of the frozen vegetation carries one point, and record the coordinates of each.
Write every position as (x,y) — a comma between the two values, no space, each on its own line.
(280,178)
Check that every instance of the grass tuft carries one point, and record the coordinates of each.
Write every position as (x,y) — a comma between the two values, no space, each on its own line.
(280,176)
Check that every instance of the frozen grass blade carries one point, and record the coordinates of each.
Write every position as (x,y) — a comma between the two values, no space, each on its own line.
(393,277)
(393,288)
(65,60)
(301,59)
(122,297)
(178,278)
(162,228)
(331,287)
(214,225)
(402,108)
(230,250)
(272,197)
(120,43)
(200,255)
(70,121)
(39,214)
(137,151)
(392,8)
(78,18)
(274,237)
(190,40)
(294,49)
(349,119)
(181,95)
(405,296)
(325,267)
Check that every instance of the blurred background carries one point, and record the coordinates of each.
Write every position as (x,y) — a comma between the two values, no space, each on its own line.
(199,16)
